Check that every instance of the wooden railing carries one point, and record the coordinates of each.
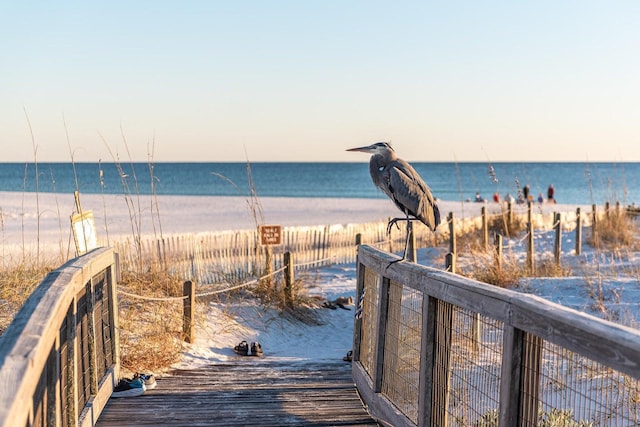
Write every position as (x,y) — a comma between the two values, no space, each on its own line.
(432,348)
(59,357)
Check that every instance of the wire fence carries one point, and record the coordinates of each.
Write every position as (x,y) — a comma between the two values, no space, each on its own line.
(439,349)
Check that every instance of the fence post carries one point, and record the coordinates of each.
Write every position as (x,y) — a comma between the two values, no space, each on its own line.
(557,224)
(411,248)
(189,313)
(509,218)
(594,225)
(498,254)
(451,256)
(531,265)
(268,267)
(485,228)
(607,210)
(578,231)
(288,278)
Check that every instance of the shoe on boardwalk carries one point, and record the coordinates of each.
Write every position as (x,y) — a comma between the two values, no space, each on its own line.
(129,388)
(242,349)
(256,349)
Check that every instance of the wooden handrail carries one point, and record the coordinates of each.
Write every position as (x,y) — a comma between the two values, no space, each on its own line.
(527,322)
(59,358)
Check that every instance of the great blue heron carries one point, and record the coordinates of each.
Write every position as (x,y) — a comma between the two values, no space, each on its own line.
(402,184)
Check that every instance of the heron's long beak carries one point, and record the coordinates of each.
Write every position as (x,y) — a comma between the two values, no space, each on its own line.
(366,149)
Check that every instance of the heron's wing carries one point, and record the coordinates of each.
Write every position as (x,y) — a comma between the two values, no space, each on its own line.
(411,194)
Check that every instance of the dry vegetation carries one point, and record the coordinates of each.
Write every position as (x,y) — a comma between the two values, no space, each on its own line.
(615,230)
(17,282)
(150,331)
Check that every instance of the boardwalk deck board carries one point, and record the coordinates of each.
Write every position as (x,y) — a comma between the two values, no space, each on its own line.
(247,391)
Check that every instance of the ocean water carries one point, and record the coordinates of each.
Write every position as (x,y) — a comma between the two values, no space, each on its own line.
(574,183)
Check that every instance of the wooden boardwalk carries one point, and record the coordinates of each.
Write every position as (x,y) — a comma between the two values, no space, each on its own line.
(248,391)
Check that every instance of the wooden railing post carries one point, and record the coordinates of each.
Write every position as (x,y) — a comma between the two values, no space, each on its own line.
(442,374)
(578,231)
(189,313)
(520,378)
(288,278)
(426,388)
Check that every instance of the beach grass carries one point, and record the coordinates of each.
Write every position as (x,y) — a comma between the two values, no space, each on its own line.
(17,281)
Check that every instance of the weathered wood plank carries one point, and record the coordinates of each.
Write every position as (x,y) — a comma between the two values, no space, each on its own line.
(247,391)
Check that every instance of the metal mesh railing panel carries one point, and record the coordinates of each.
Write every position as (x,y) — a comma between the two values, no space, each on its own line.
(401,371)
(369,321)
(578,391)
(468,364)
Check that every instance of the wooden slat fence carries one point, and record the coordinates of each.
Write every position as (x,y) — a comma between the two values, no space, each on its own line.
(435,349)
(234,255)
(226,256)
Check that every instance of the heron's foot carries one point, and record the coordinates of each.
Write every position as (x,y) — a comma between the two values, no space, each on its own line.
(393,262)
(393,222)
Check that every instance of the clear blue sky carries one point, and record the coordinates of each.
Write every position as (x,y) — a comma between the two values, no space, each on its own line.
(303,80)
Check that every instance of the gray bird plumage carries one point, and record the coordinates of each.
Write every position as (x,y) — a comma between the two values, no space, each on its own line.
(402,184)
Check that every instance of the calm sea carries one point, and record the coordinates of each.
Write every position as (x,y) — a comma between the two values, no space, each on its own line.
(575,183)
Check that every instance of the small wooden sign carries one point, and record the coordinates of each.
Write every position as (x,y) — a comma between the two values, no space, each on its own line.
(270,234)
(84,232)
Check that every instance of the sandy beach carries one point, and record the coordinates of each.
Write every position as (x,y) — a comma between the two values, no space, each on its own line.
(171,215)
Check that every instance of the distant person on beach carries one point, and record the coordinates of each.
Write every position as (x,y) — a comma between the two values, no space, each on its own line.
(526,192)
(478,198)
(540,198)
(551,192)
(509,198)
(496,197)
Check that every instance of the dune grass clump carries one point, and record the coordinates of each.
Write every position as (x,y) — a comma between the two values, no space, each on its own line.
(615,230)
(547,267)
(17,282)
(501,224)
(150,331)
(485,269)
(470,242)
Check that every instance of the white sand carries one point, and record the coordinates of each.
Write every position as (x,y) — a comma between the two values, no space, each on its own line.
(188,214)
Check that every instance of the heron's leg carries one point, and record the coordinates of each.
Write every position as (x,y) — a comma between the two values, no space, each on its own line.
(406,242)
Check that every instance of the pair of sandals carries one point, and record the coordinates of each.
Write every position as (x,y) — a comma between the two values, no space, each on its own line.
(243,349)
